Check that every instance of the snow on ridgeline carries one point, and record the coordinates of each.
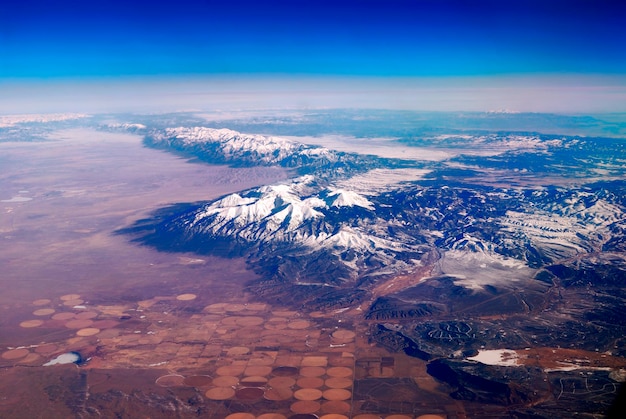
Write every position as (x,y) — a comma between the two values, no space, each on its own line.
(269,150)
(502,111)
(225,146)
(271,210)
(130,127)
(303,215)
(378,221)
(310,213)
(233,146)
(376,181)
(344,198)
(262,213)
(498,144)
(10,120)
(581,223)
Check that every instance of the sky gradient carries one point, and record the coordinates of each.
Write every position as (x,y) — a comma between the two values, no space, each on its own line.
(373,40)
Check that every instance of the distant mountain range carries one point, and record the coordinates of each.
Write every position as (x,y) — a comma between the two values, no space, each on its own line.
(230,147)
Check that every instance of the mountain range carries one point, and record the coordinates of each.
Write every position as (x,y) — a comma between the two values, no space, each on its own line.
(325,228)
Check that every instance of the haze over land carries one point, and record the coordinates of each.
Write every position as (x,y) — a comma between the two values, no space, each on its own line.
(532,56)
(578,94)
(312,210)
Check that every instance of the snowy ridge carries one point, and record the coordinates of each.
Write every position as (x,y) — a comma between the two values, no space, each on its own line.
(469,243)
(497,144)
(353,219)
(269,150)
(582,223)
(309,212)
(276,206)
(343,198)
(379,180)
(128,127)
(500,235)
(10,120)
(234,146)
(537,226)
(297,214)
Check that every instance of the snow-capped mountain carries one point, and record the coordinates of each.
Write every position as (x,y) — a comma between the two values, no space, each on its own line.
(536,226)
(303,218)
(235,148)
(338,224)
(359,238)
(10,120)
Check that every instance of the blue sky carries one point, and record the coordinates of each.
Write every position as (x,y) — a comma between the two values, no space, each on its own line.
(47,41)
(375,38)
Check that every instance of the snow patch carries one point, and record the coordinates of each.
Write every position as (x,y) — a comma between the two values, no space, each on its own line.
(344,198)
(499,357)
(66,358)
(566,231)
(475,270)
(381,180)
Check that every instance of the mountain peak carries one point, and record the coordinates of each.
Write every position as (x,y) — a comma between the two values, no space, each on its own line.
(344,198)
